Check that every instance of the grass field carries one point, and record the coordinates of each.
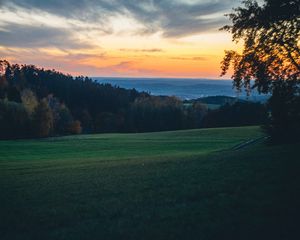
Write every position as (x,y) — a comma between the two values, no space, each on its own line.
(169,185)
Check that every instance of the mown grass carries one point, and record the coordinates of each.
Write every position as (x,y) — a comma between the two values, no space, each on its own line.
(172,185)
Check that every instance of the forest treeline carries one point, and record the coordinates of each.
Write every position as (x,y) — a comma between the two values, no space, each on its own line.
(35,102)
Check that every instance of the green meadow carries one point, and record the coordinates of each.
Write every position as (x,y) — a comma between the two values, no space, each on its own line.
(189,184)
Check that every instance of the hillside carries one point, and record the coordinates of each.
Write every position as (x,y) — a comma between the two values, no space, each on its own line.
(169,185)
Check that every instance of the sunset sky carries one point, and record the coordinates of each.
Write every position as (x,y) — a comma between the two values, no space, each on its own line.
(119,38)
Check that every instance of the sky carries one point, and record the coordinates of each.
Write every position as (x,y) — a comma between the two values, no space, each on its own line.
(118,38)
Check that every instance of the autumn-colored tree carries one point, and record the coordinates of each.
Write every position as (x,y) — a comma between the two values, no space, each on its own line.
(3,82)
(43,119)
(75,127)
(29,100)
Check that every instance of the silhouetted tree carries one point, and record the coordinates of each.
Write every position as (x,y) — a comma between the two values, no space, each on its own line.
(195,114)
(284,124)
(63,121)
(152,113)
(14,120)
(270,56)
(237,114)
(109,122)
(85,119)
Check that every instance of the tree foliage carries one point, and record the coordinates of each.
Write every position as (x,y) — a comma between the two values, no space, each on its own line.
(43,119)
(271,57)
(35,102)
(236,114)
(29,100)
(153,113)
(14,120)
(271,52)
(57,104)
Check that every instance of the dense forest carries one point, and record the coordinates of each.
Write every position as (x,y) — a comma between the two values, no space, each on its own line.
(35,102)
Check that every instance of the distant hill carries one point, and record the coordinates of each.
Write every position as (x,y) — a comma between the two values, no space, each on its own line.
(219,100)
(183,88)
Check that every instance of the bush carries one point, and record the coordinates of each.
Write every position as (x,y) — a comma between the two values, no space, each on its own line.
(75,127)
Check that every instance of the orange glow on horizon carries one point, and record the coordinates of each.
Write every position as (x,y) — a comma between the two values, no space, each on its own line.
(191,59)
(122,54)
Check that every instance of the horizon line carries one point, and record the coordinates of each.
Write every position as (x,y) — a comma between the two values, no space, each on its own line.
(186,78)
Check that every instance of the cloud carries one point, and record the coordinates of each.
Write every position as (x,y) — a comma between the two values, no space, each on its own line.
(43,58)
(190,58)
(174,18)
(66,34)
(126,69)
(26,36)
(150,50)
(74,63)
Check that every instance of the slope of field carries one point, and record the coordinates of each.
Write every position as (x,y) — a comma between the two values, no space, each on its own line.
(169,185)
(124,146)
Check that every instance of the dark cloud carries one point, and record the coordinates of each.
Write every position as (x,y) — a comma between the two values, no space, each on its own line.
(177,19)
(83,56)
(16,35)
(174,18)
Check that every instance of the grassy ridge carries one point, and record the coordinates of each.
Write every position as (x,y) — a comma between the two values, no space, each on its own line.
(125,146)
(174,185)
